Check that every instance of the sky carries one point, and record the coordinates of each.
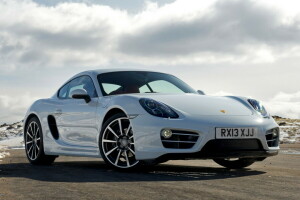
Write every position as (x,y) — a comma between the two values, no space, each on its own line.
(224,47)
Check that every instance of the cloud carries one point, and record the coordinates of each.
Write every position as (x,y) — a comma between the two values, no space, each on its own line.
(285,105)
(228,29)
(246,47)
(287,97)
(181,32)
(68,33)
(14,109)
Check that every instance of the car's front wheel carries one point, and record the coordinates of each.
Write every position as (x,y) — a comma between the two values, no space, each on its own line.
(235,163)
(116,143)
(34,146)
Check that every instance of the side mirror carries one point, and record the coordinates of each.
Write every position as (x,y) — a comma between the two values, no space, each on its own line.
(200,92)
(81,94)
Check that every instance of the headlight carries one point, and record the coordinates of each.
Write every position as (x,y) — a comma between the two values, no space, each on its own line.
(258,107)
(157,109)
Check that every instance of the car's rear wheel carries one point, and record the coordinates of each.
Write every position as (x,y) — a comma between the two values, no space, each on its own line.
(34,146)
(116,143)
(235,163)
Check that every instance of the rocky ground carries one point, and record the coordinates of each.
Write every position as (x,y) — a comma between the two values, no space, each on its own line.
(289,129)
(8,131)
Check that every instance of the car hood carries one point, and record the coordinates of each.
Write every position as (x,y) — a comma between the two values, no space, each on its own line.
(195,104)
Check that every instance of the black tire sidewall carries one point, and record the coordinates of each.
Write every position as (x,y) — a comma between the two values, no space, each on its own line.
(236,164)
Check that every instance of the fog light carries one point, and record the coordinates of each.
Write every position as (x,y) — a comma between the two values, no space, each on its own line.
(166,133)
(275,133)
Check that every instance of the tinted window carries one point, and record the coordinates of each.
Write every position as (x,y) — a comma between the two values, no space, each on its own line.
(82,82)
(108,88)
(63,92)
(163,86)
(141,82)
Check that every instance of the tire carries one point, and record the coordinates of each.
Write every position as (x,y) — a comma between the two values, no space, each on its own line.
(116,143)
(235,164)
(34,147)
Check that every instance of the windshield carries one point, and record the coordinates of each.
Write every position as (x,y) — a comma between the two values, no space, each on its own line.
(114,83)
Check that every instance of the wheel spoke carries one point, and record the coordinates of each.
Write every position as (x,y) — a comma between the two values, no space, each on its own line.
(118,157)
(130,137)
(35,151)
(34,129)
(127,161)
(30,149)
(29,142)
(32,152)
(31,130)
(37,146)
(128,129)
(111,151)
(120,126)
(109,141)
(29,134)
(38,138)
(37,131)
(131,150)
(112,131)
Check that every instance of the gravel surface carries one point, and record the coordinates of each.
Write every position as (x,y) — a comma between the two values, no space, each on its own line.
(88,178)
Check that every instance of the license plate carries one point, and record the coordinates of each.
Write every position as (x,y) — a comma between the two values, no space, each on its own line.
(236,133)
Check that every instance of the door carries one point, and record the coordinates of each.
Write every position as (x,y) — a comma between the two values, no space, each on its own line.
(76,121)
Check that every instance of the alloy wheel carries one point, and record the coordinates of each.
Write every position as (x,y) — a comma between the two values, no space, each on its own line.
(118,143)
(33,140)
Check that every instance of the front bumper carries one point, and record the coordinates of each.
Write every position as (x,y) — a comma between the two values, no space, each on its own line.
(148,143)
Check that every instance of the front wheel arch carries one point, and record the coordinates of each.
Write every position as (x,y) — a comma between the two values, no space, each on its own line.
(111,113)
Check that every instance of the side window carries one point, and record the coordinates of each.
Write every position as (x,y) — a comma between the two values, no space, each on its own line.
(108,87)
(83,82)
(163,86)
(63,92)
(144,89)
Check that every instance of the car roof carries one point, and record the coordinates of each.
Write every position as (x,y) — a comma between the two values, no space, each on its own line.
(107,70)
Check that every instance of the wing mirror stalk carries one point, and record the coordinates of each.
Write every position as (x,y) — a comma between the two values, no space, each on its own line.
(86,97)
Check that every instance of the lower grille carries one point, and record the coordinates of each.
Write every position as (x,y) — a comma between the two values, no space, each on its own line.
(180,140)
(226,145)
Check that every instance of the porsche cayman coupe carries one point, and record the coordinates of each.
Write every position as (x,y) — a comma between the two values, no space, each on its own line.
(132,118)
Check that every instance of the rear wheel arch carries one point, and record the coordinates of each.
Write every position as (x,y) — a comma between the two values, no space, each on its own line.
(32,115)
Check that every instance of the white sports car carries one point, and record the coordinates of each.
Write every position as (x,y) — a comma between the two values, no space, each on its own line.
(131,118)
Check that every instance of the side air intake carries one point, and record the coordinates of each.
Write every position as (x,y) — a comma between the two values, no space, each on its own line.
(53,127)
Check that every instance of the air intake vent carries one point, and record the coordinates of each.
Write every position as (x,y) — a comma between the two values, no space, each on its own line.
(272,137)
(53,127)
(180,140)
